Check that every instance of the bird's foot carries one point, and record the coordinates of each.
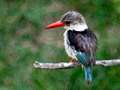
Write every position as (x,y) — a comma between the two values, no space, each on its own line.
(72,61)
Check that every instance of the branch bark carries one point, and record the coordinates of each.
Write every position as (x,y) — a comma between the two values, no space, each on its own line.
(65,65)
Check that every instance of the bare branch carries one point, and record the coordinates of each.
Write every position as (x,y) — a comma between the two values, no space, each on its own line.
(64,65)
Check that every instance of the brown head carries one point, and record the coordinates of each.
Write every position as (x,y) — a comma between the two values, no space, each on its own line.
(70,20)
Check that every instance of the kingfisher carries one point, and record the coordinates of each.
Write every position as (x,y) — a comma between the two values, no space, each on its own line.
(79,40)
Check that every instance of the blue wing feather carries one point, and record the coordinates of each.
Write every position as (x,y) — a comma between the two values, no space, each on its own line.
(81,56)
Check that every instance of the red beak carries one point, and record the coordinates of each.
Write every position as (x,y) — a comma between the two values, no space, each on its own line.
(56,24)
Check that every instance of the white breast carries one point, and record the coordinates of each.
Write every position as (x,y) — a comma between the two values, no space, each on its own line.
(69,49)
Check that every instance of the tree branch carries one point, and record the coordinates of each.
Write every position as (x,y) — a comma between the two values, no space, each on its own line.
(64,65)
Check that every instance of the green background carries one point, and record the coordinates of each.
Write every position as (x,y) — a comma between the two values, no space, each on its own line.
(23,40)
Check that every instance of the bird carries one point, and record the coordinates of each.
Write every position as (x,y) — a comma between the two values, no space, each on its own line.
(80,42)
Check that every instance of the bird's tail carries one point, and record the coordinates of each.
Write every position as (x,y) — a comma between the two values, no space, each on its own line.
(88,74)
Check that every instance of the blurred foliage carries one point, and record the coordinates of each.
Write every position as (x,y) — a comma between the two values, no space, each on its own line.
(23,41)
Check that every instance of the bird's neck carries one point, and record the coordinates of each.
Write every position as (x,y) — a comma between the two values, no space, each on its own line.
(78,27)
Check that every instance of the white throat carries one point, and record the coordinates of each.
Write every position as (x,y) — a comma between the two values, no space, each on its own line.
(77,27)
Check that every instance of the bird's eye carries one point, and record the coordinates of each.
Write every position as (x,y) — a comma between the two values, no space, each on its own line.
(67,22)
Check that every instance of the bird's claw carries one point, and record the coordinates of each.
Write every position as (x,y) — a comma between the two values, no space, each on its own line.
(72,61)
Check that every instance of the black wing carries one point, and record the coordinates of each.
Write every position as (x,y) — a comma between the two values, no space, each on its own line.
(84,42)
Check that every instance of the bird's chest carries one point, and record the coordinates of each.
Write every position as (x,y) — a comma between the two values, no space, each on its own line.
(70,50)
